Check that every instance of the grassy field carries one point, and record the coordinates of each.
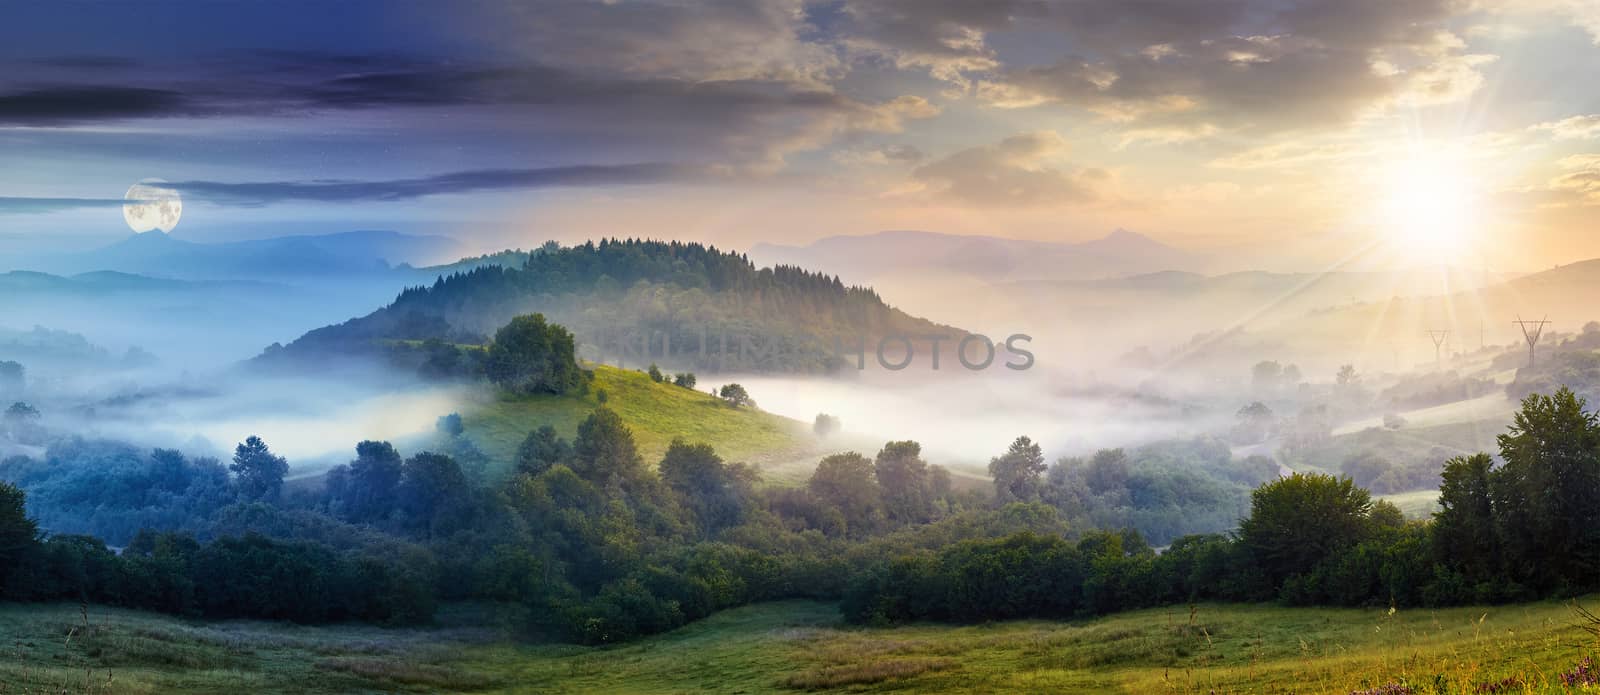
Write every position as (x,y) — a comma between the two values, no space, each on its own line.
(1417,504)
(801,646)
(784,449)
(1407,444)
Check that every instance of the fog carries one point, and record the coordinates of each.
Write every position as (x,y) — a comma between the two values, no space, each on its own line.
(963,419)
(314,422)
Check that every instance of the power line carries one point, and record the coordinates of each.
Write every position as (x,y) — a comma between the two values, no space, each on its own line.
(1438,336)
(1532,335)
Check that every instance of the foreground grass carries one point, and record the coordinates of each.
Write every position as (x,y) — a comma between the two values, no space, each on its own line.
(656,413)
(801,646)
(67,648)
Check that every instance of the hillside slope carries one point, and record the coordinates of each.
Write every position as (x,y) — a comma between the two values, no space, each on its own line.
(668,302)
(784,449)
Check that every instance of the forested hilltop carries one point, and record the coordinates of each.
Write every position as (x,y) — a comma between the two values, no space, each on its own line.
(682,304)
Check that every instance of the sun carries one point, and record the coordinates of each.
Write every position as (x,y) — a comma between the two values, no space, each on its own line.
(1429,209)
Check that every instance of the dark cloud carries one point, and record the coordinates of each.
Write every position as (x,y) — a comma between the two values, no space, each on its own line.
(88,62)
(265,193)
(1266,64)
(744,121)
(255,194)
(72,104)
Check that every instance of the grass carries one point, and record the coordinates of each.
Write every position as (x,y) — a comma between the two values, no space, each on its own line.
(800,646)
(1417,504)
(656,413)
(1404,445)
(67,648)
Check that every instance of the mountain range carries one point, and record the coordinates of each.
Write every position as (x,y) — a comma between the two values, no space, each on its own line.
(865,258)
(158,255)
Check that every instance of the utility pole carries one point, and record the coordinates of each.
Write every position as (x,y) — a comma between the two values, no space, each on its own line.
(1531,330)
(1438,336)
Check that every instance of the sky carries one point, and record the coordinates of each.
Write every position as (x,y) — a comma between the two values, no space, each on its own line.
(1428,130)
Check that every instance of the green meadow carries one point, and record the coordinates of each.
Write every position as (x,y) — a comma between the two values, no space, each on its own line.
(798,646)
(656,412)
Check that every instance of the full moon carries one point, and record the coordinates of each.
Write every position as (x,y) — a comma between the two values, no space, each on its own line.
(149,206)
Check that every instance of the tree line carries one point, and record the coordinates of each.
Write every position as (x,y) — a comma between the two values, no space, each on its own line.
(651,290)
(1520,530)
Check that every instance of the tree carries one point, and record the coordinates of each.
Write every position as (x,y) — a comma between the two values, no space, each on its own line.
(1366,467)
(1107,471)
(825,425)
(903,482)
(655,373)
(20,412)
(713,491)
(451,425)
(258,473)
(604,451)
(432,493)
(1255,422)
(541,450)
(18,533)
(1266,375)
(1386,515)
(939,483)
(1347,377)
(1547,495)
(1299,521)
(684,379)
(1017,473)
(735,395)
(847,482)
(373,481)
(1463,527)
(530,356)
(21,423)
(1291,375)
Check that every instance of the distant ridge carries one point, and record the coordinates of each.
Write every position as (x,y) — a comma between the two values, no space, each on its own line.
(864,257)
(158,255)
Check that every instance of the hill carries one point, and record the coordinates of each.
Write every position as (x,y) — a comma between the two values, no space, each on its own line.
(783,448)
(675,303)
(799,646)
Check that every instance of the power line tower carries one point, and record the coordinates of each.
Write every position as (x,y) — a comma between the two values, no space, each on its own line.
(1531,330)
(1438,336)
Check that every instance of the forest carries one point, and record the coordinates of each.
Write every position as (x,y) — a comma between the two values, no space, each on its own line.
(603,546)
(680,304)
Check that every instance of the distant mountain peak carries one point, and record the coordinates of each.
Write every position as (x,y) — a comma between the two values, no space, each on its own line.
(1125,237)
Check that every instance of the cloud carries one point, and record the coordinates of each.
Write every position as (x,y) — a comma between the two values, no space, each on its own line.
(71,104)
(19,205)
(1015,171)
(1581,182)
(255,194)
(880,155)
(755,123)
(264,193)
(715,40)
(1261,65)
(1585,127)
(944,37)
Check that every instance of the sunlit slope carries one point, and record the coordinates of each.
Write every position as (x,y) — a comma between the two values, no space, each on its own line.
(799,646)
(1216,649)
(656,412)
